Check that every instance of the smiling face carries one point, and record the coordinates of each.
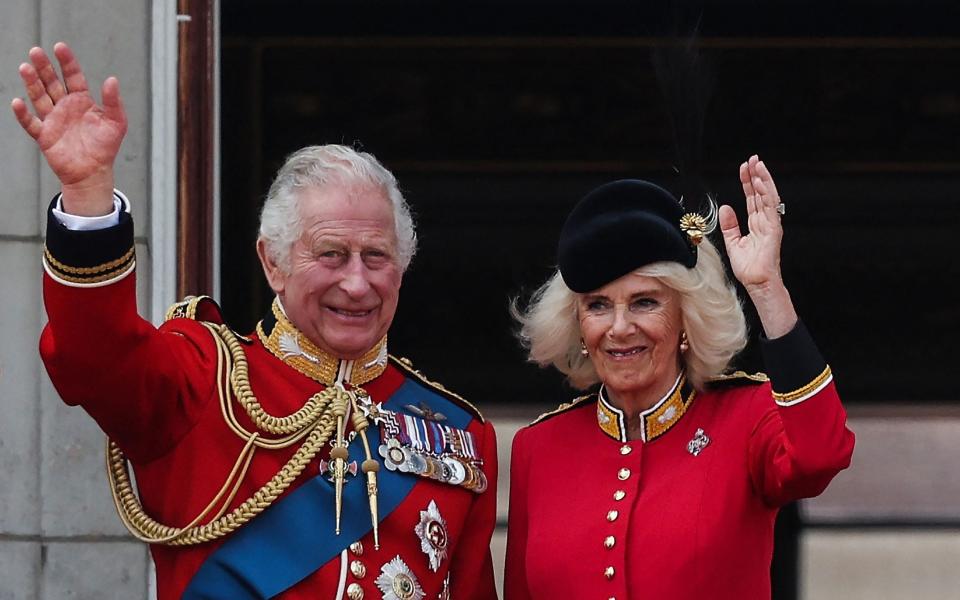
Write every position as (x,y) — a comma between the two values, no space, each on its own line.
(343,283)
(631,328)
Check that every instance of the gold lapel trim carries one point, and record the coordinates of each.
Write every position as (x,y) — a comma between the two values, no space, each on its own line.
(288,344)
(657,420)
(662,416)
(611,419)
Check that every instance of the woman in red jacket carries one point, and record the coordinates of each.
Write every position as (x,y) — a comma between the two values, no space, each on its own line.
(665,482)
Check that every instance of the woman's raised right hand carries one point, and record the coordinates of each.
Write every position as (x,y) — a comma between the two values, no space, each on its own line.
(78,138)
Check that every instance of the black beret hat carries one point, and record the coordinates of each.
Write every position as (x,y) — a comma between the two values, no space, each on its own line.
(618,227)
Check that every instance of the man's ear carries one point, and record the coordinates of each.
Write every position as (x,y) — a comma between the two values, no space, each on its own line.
(276,276)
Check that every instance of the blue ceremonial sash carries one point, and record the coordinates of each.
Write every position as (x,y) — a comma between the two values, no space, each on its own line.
(295,536)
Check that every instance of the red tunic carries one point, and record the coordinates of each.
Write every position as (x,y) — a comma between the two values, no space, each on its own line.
(687,514)
(153,392)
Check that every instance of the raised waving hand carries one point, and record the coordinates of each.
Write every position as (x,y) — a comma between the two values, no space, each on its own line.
(755,257)
(79,138)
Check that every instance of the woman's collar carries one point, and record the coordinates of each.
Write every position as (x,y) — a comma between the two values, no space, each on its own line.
(656,420)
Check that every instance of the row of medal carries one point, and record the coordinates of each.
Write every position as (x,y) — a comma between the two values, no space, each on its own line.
(428,448)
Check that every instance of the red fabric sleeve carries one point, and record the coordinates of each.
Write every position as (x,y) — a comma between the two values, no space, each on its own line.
(471,569)
(796,450)
(515,575)
(144,387)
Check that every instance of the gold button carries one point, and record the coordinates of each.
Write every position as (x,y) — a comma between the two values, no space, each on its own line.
(623,474)
(356,548)
(625,450)
(358,570)
(619,495)
(354,591)
(608,572)
(609,542)
(612,516)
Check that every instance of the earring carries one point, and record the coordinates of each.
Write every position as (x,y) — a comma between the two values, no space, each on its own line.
(583,349)
(684,343)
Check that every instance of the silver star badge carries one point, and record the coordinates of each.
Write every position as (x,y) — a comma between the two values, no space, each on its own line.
(372,410)
(397,582)
(432,531)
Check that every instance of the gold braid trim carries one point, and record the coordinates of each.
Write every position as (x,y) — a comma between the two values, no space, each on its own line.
(563,407)
(109,266)
(186,308)
(805,390)
(317,432)
(291,424)
(736,375)
(90,280)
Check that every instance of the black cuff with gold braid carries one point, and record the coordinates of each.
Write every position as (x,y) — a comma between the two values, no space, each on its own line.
(88,258)
(795,366)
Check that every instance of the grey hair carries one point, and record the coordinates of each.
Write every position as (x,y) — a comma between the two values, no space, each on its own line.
(317,166)
(711,313)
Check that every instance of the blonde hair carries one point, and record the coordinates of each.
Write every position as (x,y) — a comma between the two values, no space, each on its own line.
(712,318)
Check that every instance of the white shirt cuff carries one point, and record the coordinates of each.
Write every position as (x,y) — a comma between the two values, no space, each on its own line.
(78,223)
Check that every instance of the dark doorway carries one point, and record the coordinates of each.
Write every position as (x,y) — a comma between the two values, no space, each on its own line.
(497,117)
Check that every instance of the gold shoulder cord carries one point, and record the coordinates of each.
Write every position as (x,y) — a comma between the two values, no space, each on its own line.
(313,421)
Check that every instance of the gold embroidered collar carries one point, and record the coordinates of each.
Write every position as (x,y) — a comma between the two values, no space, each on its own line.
(287,343)
(657,420)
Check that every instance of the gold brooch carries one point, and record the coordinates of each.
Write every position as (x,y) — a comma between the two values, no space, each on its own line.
(695,226)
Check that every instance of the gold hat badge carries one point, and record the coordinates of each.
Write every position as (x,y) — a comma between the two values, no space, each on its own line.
(695,226)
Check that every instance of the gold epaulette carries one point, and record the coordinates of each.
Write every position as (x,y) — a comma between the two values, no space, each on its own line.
(562,408)
(406,365)
(197,308)
(737,378)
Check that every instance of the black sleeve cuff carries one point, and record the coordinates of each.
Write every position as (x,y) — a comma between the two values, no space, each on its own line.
(88,257)
(792,361)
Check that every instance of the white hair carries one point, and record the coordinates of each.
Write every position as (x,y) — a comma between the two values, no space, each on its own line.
(711,314)
(318,166)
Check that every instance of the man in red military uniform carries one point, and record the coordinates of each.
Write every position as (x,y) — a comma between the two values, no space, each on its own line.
(300,461)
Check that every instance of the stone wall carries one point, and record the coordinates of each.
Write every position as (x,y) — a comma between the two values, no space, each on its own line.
(59,534)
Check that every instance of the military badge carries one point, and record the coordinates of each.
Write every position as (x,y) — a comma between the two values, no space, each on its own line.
(290,347)
(329,467)
(667,415)
(458,472)
(422,410)
(432,531)
(397,582)
(395,457)
(602,417)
